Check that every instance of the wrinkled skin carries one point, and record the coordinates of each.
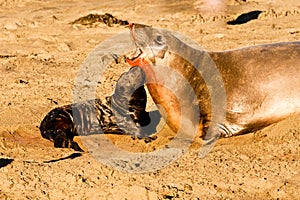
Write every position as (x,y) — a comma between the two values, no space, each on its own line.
(122,113)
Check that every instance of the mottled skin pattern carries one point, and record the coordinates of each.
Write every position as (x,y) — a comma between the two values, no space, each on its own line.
(122,113)
(262,82)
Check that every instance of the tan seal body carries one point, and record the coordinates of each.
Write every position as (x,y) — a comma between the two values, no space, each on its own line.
(262,83)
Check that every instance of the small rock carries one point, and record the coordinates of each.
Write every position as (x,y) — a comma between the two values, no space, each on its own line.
(64,47)
(11,26)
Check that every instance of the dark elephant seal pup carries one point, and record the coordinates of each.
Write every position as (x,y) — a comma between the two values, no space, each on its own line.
(262,83)
(122,113)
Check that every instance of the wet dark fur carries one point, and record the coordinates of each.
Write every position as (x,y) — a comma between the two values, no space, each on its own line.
(122,113)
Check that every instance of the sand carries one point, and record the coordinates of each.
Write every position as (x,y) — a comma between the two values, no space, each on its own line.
(41,53)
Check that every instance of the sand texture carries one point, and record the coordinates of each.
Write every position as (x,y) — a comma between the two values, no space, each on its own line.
(41,53)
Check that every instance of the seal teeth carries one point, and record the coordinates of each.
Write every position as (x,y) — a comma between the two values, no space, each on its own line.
(136,54)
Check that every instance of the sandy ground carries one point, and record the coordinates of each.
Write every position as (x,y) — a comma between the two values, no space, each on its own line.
(40,55)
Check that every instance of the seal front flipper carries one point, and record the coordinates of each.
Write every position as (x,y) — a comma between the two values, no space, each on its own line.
(62,141)
(211,135)
(207,146)
(217,130)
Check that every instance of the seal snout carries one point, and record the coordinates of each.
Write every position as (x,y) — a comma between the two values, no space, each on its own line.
(130,25)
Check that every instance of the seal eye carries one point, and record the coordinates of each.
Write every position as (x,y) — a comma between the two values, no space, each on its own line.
(159,39)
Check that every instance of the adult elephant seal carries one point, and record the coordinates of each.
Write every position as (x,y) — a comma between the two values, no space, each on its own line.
(261,83)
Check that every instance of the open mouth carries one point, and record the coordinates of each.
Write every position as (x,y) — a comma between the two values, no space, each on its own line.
(135,55)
